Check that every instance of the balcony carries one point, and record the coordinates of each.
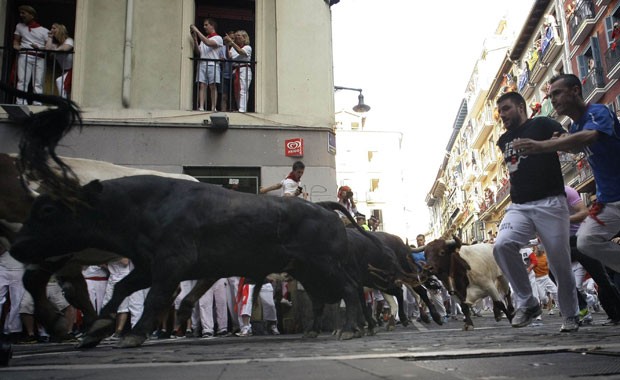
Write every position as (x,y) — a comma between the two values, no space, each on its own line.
(482,135)
(593,85)
(523,79)
(581,22)
(612,62)
(538,70)
(550,47)
(582,176)
(231,75)
(51,84)
(524,85)
(503,193)
(45,64)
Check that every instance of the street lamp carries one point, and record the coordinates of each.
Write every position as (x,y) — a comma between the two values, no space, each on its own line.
(360,107)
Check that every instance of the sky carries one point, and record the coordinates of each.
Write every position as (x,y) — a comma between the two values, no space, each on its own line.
(413,60)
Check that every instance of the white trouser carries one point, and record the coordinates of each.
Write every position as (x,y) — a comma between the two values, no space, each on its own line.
(134,304)
(96,292)
(231,296)
(214,298)
(593,239)
(30,67)
(393,303)
(60,85)
(549,218)
(532,277)
(544,285)
(11,284)
(245,79)
(186,287)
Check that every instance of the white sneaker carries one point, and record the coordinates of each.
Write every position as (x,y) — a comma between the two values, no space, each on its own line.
(245,331)
(273,330)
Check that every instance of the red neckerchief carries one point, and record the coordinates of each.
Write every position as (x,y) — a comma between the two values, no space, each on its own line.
(212,35)
(33,24)
(292,176)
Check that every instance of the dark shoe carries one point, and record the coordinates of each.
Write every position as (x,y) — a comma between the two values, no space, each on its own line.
(612,322)
(30,339)
(163,334)
(525,315)
(222,333)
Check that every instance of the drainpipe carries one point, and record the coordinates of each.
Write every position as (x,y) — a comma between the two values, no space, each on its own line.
(568,69)
(127,54)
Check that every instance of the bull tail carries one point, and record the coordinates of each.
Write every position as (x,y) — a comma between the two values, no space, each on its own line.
(40,135)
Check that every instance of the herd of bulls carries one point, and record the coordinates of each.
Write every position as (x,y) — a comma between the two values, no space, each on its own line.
(176,229)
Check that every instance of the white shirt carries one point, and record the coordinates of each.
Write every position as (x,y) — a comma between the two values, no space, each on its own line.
(289,187)
(65,59)
(38,36)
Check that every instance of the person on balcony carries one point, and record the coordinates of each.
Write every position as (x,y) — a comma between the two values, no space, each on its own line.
(210,49)
(58,39)
(28,38)
(596,132)
(241,51)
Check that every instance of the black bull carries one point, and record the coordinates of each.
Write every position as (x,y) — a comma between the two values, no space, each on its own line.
(175,230)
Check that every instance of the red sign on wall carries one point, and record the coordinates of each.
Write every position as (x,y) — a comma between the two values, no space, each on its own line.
(294,147)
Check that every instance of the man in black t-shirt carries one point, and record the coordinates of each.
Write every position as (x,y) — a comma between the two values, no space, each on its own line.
(538,207)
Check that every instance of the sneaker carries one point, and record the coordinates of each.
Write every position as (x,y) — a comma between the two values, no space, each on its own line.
(245,331)
(611,322)
(163,334)
(207,335)
(189,333)
(551,312)
(586,319)
(30,339)
(222,333)
(273,330)
(539,318)
(524,315)
(113,338)
(571,324)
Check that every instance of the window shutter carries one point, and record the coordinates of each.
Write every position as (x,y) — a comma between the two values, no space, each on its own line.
(582,64)
(609,27)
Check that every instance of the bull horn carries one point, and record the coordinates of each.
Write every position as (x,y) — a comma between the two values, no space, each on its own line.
(418,249)
(451,242)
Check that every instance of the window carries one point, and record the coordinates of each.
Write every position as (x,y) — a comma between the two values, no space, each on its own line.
(374,184)
(230,16)
(48,12)
(245,180)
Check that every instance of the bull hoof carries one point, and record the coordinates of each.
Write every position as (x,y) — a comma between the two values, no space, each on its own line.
(88,342)
(101,328)
(467,327)
(424,318)
(311,334)
(438,320)
(347,335)
(371,332)
(6,353)
(497,319)
(131,341)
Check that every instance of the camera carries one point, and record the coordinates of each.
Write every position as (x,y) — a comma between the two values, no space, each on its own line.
(300,189)
(349,194)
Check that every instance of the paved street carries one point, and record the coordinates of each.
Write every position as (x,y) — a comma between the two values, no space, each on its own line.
(494,350)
